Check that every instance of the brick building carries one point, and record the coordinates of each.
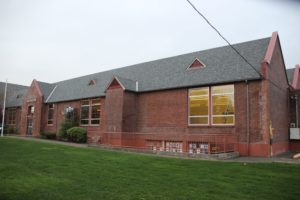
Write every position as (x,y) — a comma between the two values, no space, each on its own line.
(210,101)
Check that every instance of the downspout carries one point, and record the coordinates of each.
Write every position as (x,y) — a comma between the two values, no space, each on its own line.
(248,118)
(297,116)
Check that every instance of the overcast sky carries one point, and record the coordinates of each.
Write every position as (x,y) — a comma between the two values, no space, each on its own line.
(54,40)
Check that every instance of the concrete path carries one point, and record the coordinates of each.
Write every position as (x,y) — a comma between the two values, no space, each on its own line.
(282,158)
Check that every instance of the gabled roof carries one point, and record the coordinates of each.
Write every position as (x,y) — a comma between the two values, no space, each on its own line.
(46,89)
(14,96)
(129,85)
(223,65)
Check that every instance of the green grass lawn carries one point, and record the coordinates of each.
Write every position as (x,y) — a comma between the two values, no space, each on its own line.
(37,170)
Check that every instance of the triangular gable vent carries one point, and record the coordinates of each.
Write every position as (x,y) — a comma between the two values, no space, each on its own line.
(92,82)
(196,64)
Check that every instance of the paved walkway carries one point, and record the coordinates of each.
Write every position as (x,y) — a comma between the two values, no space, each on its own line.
(282,158)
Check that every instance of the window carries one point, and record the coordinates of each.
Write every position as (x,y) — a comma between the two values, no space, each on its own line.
(174,147)
(223,104)
(50,113)
(199,104)
(30,110)
(198,147)
(85,112)
(90,112)
(11,116)
(211,105)
(96,107)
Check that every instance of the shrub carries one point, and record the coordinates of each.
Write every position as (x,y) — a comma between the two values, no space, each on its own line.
(48,135)
(70,120)
(5,129)
(77,134)
(11,130)
(65,125)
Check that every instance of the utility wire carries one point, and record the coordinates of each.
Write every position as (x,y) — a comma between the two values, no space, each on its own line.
(208,22)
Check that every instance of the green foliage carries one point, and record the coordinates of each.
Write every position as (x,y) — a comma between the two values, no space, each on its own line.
(70,120)
(11,130)
(65,125)
(77,134)
(5,129)
(48,135)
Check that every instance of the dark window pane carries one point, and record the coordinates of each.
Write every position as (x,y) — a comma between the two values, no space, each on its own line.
(84,121)
(96,101)
(85,112)
(95,121)
(96,111)
(85,102)
(50,114)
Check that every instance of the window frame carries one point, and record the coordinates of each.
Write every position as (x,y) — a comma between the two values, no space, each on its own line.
(11,116)
(210,107)
(90,105)
(211,112)
(52,120)
(189,114)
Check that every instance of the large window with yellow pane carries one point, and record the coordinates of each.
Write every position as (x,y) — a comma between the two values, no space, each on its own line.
(222,98)
(211,105)
(199,106)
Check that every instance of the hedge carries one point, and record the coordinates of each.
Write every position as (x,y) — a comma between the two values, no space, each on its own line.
(77,134)
(48,135)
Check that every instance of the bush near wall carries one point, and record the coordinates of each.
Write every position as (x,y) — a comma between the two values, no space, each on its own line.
(77,134)
(48,135)
(70,120)
(9,130)
(65,125)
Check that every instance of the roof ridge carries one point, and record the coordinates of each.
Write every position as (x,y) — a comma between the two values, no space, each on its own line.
(14,84)
(161,59)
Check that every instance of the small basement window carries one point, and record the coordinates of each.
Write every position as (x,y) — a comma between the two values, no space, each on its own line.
(196,64)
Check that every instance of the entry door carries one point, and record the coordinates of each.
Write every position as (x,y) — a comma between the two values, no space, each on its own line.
(29,126)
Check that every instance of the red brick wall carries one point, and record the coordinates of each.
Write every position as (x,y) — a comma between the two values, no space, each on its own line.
(278,101)
(114,110)
(17,125)
(58,115)
(129,112)
(59,108)
(32,98)
(164,114)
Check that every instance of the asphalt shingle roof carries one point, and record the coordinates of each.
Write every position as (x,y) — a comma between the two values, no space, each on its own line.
(223,65)
(46,89)
(290,75)
(14,95)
